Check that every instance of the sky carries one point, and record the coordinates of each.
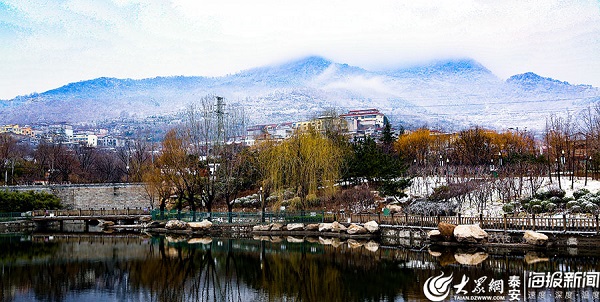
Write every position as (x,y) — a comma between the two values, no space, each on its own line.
(47,44)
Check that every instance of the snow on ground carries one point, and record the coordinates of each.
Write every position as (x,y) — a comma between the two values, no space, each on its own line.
(424,186)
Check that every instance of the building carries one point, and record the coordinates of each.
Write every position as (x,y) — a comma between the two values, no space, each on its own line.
(89,140)
(365,122)
(16,129)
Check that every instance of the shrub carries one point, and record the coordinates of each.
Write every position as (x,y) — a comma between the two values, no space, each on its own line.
(591,208)
(535,202)
(547,193)
(555,192)
(27,201)
(536,209)
(580,192)
(572,204)
(508,208)
(555,200)
(575,209)
(549,207)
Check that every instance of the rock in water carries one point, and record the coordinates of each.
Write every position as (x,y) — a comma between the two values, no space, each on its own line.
(535,238)
(295,226)
(372,227)
(355,229)
(446,230)
(470,233)
(435,235)
(202,225)
(176,225)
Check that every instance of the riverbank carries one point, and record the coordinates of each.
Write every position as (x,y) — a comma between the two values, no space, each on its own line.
(391,235)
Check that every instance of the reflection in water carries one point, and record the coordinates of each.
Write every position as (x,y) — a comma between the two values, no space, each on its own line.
(132,268)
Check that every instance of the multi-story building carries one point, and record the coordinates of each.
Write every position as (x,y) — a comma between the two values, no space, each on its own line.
(89,140)
(16,129)
(365,122)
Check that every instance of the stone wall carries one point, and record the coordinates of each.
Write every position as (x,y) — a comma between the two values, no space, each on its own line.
(95,196)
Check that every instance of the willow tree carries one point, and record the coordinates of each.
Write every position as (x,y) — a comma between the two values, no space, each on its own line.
(307,163)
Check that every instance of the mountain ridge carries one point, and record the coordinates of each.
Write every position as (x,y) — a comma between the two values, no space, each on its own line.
(450,93)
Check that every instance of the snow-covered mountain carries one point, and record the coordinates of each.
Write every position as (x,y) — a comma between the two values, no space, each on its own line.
(451,93)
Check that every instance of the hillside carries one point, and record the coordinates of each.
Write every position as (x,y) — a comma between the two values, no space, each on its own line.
(451,93)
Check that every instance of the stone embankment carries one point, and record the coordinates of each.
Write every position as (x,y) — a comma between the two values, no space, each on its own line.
(472,234)
(334,229)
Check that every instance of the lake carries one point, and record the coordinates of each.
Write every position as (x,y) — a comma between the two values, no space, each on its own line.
(124,267)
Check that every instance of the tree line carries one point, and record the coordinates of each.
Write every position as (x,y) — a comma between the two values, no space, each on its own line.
(200,165)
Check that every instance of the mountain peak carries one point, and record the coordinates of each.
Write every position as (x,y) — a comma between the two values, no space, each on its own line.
(445,67)
(531,81)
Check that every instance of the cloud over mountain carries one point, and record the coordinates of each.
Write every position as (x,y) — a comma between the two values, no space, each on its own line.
(454,93)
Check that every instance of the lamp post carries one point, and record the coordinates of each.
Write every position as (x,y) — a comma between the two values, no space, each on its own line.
(262,204)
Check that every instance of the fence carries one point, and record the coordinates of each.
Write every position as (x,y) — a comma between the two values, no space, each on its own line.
(89,212)
(11,216)
(245,217)
(564,223)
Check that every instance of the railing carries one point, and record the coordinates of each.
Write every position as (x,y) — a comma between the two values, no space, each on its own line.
(245,217)
(12,216)
(563,223)
(89,212)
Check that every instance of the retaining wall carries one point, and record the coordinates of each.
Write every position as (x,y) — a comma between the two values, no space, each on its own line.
(95,196)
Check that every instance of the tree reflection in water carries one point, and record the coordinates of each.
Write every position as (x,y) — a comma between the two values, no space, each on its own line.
(169,269)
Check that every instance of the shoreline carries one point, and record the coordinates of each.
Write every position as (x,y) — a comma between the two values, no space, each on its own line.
(407,236)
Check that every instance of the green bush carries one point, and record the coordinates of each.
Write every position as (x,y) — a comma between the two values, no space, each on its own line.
(536,209)
(535,202)
(580,192)
(508,208)
(549,207)
(555,200)
(591,208)
(27,201)
(572,204)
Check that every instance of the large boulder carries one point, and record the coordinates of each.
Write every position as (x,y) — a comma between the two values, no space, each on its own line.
(446,230)
(535,238)
(295,227)
(372,227)
(202,225)
(355,229)
(276,226)
(470,233)
(176,225)
(325,227)
(435,235)
(312,227)
(261,228)
(337,227)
